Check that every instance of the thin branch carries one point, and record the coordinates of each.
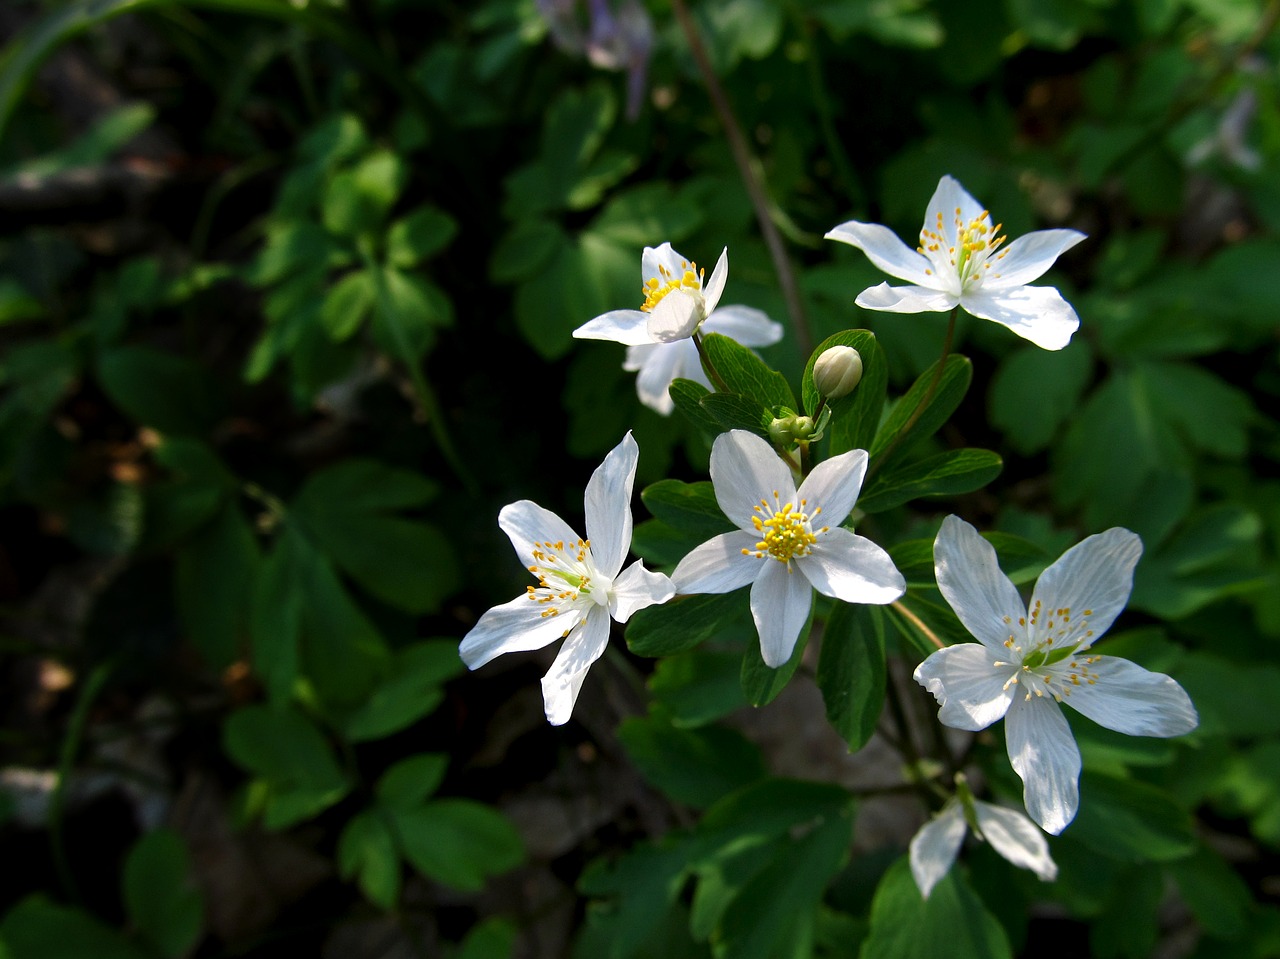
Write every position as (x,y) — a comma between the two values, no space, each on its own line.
(743,159)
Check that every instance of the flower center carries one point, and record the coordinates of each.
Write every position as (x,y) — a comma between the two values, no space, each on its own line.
(656,287)
(567,577)
(786,532)
(975,249)
(1051,665)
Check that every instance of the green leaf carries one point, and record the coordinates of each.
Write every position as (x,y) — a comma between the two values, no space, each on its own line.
(1208,558)
(952,922)
(696,767)
(639,215)
(410,690)
(357,200)
(275,616)
(761,921)
(950,390)
(1209,414)
(733,411)
(642,886)
(410,781)
(1217,896)
(292,248)
(403,562)
(367,851)
(587,276)
(688,396)
(851,671)
(494,938)
(761,683)
(946,474)
(765,810)
(16,304)
(167,392)
(855,417)
(458,842)
(1034,392)
(530,246)
(284,749)
(690,507)
(698,686)
(745,373)
(1131,821)
(98,144)
(422,234)
(214,576)
(38,929)
(164,904)
(347,304)
(681,624)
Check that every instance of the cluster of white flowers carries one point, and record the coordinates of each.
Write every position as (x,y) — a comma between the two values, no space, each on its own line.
(1029,659)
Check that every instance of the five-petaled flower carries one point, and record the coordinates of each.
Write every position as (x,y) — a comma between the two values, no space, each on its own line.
(658,364)
(676,301)
(1028,660)
(961,260)
(1011,834)
(788,541)
(579,586)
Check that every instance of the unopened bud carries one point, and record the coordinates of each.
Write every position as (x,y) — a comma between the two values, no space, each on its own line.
(789,429)
(837,371)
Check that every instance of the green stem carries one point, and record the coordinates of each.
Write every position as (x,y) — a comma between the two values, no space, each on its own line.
(426,396)
(922,405)
(747,171)
(709,367)
(66,759)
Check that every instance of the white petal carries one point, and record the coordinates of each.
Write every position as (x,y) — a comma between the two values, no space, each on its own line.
(513,627)
(675,317)
(608,506)
(665,257)
(1016,838)
(715,284)
(1036,313)
(1092,580)
(1132,700)
(637,588)
(718,565)
(905,299)
(747,325)
(780,601)
(934,847)
(744,470)
(849,567)
(834,485)
(1028,257)
(526,523)
(657,368)
(883,248)
(1044,753)
(971,582)
(955,203)
(563,681)
(968,686)
(630,327)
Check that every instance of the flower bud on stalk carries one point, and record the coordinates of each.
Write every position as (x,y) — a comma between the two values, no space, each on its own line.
(837,371)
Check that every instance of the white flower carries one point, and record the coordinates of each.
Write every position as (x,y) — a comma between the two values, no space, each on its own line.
(675,301)
(1028,660)
(1011,834)
(579,585)
(660,363)
(959,260)
(780,548)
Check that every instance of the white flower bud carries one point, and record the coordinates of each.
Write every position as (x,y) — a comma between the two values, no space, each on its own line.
(837,371)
